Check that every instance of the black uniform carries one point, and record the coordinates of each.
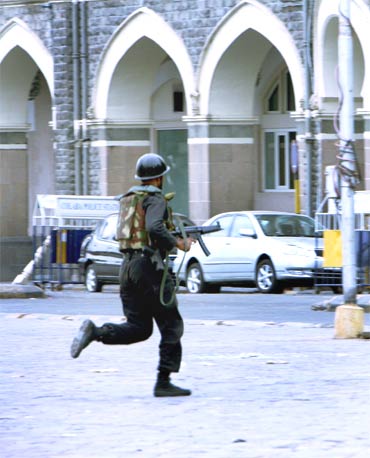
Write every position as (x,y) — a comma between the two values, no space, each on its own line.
(140,283)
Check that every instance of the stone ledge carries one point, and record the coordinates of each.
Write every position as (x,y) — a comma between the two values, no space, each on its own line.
(16,291)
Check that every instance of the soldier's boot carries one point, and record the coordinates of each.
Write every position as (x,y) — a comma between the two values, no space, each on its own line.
(164,388)
(87,333)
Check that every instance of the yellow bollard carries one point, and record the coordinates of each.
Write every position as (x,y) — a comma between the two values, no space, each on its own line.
(297,196)
(349,321)
(62,246)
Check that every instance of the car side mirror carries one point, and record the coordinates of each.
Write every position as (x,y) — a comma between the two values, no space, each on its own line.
(248,233)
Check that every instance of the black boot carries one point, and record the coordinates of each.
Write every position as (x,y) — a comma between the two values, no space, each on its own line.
(86,334)
(164,388)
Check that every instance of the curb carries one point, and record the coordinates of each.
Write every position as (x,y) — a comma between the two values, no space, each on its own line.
(16,291)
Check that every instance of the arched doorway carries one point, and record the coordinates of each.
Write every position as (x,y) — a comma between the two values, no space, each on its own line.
(251,60)
(142,95)
(26,152)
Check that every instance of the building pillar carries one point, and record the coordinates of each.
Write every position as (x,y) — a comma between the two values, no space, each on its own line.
(223,166)
(366,177)
(198,171)
(323,150)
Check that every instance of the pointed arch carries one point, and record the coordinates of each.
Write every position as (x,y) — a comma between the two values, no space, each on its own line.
(248,14)
(142,23)
(17,33)
(360,20)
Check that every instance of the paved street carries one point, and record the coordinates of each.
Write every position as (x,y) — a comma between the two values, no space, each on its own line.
(259,390)
(231,304)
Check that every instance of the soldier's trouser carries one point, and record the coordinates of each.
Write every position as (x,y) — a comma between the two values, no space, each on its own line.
(140,295)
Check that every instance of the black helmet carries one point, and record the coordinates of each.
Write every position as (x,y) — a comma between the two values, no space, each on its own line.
(150,166)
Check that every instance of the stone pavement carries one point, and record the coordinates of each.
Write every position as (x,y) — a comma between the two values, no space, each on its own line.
(260,390)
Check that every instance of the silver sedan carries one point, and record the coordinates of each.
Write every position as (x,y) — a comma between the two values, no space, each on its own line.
(264,249)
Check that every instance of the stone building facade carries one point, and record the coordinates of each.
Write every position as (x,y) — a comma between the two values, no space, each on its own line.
(220,88)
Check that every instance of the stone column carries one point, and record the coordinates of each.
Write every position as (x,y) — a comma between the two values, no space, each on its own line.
(312,160)
(198,170)
(366,176)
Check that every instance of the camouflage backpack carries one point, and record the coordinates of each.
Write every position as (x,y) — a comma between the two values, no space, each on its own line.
(131,232)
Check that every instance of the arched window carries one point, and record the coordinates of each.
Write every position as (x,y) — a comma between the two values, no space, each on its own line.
(273,104)
(280,98)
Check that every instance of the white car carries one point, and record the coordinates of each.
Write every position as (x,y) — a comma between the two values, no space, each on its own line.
(265,249)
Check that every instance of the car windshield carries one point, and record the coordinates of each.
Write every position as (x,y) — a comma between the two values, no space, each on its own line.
(108,228)
(286,225)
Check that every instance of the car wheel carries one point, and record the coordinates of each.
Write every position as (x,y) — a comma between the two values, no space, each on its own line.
(93,285)
(266,278)
(194,279)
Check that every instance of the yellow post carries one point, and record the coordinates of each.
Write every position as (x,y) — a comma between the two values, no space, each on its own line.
(349,318)
(294,170)
(333,248)
(297,196)
(62,246)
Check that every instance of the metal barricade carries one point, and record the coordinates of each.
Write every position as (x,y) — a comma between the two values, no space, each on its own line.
(328,226)
(60,223)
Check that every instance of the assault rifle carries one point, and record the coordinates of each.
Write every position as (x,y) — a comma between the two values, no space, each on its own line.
(196,233)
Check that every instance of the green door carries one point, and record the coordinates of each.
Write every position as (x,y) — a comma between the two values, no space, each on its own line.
(173,147)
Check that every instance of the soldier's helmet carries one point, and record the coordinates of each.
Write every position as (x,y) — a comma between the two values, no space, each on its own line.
(150,166)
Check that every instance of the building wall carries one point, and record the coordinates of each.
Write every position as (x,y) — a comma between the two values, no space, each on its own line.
(193,21)
(222,54)
(234,161)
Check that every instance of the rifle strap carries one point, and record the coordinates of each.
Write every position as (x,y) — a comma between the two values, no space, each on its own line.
(165,272)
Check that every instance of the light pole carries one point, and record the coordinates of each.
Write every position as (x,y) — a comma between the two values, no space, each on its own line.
(349,319)
(307,111)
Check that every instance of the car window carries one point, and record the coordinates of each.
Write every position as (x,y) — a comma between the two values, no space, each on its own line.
(241,222)
(225,223)
(295,226)
(306,226)
(287,225)
(267,224)
(108,229)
